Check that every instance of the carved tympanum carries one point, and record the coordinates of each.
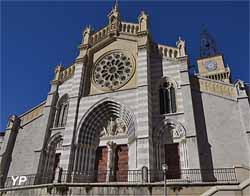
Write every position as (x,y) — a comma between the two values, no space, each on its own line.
(114,127)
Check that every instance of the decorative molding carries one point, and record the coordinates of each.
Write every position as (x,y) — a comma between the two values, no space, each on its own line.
(214,87)
(32,114)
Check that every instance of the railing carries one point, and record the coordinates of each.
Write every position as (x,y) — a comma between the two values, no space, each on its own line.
(102,176)
(129,28)
(99,35)
(187,176)
(165,51)
(67,73)
(222,175)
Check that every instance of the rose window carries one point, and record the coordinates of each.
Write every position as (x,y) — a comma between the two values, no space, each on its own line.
(113,71)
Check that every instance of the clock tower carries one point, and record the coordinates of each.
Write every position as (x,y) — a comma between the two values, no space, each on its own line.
(211,63)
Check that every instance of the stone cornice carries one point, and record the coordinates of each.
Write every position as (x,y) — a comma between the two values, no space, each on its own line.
(213,87)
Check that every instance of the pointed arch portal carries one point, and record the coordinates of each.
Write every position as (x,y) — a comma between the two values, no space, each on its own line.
(52,158)
(170,147)
(88,136)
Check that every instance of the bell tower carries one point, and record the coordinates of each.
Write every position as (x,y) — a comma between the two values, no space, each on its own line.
(211,63)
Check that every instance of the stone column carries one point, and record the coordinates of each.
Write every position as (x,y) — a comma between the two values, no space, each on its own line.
(8,146)
(144,108)
(111,161)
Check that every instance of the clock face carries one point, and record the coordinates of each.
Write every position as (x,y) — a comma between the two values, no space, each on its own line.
(113,71)
(211,65)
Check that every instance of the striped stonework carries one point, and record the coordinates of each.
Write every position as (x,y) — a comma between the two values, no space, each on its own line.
(65,87)
(138,106)
(74,93)
(125,103)
(143,110)
(162,67)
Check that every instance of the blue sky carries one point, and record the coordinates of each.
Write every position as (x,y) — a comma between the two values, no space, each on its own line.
(36,36)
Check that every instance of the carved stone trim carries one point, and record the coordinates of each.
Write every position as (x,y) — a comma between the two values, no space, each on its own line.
(114,127)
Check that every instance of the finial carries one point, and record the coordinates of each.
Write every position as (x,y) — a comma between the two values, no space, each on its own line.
(116,5)
(87,28)
(143,13)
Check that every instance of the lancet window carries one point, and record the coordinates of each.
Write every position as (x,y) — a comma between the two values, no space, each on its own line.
(167,98)
(62,112)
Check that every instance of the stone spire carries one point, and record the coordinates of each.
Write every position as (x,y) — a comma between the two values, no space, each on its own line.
(86,36)
(116,5)
(114,14)
(114,19)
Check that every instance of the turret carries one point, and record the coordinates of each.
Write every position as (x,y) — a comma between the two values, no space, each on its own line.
(181,47)
(114,19)
(143,20)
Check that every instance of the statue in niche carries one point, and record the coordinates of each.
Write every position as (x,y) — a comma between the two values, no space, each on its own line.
(114,127)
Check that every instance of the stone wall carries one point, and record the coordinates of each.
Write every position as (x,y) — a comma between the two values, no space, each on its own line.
(121,189)
(222,138)
(26,149)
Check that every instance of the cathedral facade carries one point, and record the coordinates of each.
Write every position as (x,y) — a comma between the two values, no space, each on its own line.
(128,103)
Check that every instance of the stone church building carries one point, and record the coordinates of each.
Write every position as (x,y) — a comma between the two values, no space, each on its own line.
(127,103)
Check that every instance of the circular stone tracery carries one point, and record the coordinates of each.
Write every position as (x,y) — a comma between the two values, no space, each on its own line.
(113,71)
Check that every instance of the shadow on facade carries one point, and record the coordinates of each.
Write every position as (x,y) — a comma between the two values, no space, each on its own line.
(156,75)
(204,148)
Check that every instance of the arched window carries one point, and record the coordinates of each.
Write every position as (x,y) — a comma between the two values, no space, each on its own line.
(62,112)
(167,98)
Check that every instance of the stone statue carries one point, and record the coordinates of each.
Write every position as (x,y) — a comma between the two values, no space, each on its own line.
(111,161)
(120,127)
(114,127)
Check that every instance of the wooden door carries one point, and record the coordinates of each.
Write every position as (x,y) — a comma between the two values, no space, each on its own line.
(101,164)
(172,159)
(121,163)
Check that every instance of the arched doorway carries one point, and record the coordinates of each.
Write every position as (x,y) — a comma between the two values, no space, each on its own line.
(106,119)
(52,157)
(170,148)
